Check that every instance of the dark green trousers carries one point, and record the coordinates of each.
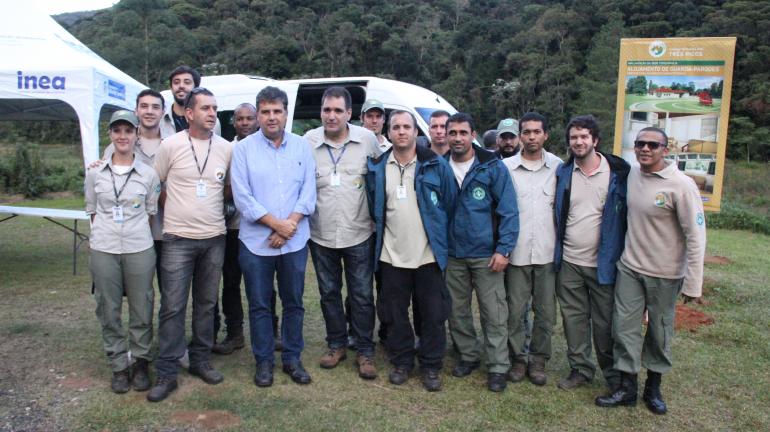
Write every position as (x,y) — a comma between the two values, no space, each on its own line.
(538,283)
(463,276)
(635,292)
(586,311)
(114,274)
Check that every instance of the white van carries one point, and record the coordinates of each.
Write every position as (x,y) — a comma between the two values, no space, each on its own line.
(305,98)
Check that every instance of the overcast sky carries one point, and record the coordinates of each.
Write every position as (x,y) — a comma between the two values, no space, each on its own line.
(53,7)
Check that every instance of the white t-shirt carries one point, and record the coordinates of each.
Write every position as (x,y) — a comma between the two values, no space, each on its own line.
(461,169)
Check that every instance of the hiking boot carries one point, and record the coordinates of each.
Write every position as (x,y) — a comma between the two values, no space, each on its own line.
(431,380)
(163,387)
(574,380)
(333,357)
(398,375)
(208,374)
(518,372)
(119,382)
(264,374)
(496,382)
(366,368)
(625,395)
(140,378)
(536,371)
(464,368)
(651,396)
(297,373)
(229,345)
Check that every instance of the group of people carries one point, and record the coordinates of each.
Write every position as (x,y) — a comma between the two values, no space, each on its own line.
(426,221)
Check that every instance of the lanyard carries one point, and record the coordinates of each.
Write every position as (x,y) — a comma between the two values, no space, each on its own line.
(402,170)
(331,156)
(197,165)
(115,189)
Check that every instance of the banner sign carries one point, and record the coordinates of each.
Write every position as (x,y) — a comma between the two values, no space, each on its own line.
(683,86)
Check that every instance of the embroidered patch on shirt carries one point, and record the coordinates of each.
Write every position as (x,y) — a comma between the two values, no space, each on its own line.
(219,173)
(699,219)
(433,197)
(479,193)
(358,182)
(660,199)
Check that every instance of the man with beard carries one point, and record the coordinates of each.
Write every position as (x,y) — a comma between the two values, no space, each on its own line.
(590,229)
(507,138)
(181,80)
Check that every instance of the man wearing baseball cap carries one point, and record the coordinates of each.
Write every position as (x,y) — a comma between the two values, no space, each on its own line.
(507,138)
(373,118)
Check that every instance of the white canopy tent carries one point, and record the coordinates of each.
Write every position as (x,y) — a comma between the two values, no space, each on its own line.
(47,74)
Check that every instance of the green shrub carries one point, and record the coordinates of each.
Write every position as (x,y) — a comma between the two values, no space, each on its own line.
(27,172)
(735,216)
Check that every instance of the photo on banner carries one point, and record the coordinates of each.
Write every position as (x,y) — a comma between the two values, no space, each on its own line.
(680,85)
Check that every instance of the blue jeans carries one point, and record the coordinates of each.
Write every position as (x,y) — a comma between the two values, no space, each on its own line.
(359,268)
(184,260)
(258,274)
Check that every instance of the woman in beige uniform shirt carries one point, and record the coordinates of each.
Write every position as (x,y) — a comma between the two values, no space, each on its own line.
(121,195)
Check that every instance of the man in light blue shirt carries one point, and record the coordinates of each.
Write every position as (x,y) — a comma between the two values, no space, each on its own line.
(273,181)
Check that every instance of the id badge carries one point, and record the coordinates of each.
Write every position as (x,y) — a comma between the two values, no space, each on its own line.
(117,214)
(335,179)
(200,189)
(401,192)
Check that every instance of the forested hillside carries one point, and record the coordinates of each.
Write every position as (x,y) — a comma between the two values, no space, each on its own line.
(491,58)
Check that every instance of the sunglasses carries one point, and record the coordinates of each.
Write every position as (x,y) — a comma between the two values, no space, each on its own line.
(652,145)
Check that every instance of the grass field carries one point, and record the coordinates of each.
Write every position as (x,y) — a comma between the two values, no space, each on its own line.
(53,373)
(689,106)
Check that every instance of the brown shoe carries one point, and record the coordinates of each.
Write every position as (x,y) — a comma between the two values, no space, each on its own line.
(574,380)
(536,371)
(333,357)
(518,371)
(366,368)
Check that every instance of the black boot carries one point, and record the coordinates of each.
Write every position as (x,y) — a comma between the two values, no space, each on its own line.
(623,396)
(652,396)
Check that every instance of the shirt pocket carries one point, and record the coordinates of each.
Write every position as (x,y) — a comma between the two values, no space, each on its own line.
(105,196)
(354,178)
(549,193)
(323,177)
(135,198)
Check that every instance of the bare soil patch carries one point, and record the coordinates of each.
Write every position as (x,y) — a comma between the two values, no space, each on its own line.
(717,260)
(213,419)
(691,319)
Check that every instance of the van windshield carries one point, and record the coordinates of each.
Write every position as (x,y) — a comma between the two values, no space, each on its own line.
(426,112)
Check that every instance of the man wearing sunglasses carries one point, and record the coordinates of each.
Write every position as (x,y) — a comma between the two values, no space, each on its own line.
(665,247)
